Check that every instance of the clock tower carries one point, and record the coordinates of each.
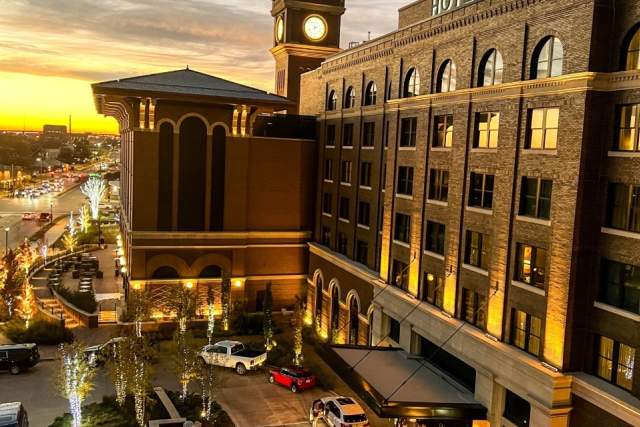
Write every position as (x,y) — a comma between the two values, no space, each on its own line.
(306,32)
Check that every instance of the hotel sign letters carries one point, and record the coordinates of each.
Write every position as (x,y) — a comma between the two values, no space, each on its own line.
(440,7)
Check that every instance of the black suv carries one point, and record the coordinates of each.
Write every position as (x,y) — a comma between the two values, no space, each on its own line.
(17,357)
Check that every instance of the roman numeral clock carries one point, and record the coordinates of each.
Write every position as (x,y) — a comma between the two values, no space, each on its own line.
(305,34)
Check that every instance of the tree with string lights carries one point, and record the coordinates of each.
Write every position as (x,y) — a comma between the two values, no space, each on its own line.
(298,325)
(94,189)
(75,379)
(226,300)
(267,325)
(84,218)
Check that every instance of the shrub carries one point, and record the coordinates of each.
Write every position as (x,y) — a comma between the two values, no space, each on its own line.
(40,331)
(191,409)
(105,414)
(85,301)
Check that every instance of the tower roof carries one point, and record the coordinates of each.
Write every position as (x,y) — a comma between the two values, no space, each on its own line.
(187,83)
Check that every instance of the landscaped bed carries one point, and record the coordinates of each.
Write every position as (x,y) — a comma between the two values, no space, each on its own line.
(41,331)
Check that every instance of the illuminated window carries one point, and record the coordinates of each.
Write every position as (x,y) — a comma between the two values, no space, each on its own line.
(526,332)
(543,129)
(400,275)
(491,69)
(633,52)
(487,129)
(535,198)
(447,77)
(443,133)
(433,289)
(474,308)
(628,127)
(481,190)
(411,84)
(615,362)
(623,207)
(531,265)
(548,59)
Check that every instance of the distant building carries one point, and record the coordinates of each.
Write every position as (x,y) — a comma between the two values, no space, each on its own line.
(53,136)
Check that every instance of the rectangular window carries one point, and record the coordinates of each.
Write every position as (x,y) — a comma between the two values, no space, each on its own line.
(620,285)
(365,174)
(364,214)
(433,289)
(345,172)
(435,237)
(543,129)
(402,228)
(400,275)
(362,252)
(438,185)
(487,129)
(344,208)
(331,135)
(481,191)
(628,124)
(347,135)
(535,197)
(405,180)
(327,206)
(328,169)
(531,265)
(408,136)
(342,243)
(526,332)
(477,250)
(325,238)
(368,134)
(443,132)
(394,329)
(474,308)
(623,207)
(615,362)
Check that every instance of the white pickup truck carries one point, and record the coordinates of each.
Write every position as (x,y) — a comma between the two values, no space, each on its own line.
(233,354)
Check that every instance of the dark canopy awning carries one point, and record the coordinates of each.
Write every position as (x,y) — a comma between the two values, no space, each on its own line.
(378,379)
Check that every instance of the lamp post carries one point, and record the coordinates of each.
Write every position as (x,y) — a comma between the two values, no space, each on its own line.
(51,213)
(6,240)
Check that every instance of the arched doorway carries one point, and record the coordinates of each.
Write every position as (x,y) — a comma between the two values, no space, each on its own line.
(354,320)
(165,273)
(211,272)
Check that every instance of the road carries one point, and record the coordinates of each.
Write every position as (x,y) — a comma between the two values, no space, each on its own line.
(11,211)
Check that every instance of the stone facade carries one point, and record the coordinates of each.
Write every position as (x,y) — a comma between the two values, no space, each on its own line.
(593,84)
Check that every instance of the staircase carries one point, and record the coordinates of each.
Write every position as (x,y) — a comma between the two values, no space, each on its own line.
(107,316)
(52,307)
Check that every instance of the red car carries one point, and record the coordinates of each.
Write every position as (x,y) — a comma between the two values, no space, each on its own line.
(293,378)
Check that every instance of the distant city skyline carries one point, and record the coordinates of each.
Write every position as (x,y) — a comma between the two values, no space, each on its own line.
(51,51)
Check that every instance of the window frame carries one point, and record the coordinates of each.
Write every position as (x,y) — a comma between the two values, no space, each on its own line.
(327,203)
(411,86)
(534,266)
(481,260)
(368,134)
(342,244)
(359,245)
(630,207)
(408,132)
(344,208)
(371,94)
(633,128)
(330,139)
(614,361)
(443,128)
(447,77)
(328,169)
(544,130)
(346,170)
(402,229)
(473,308)
(349,98)
(433,290)
(486,195)
(632,47)
(347,136)
(404,186)
(365,174)
(332,101)
(366,220)
(541,201)
(549,43)
(492,134)
(527,333)
(496,57)
(614,289)
(438,230)
(438,185)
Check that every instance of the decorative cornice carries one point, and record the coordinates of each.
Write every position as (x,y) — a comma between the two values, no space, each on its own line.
(223,235)
(344,263)
(309,51)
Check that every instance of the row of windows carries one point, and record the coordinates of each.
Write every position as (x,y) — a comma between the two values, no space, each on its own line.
(542,130)
(548,61)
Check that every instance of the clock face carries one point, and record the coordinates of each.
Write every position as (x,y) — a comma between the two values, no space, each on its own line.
(315,28)
(280,29)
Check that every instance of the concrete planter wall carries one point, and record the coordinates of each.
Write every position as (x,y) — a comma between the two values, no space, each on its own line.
(89,320)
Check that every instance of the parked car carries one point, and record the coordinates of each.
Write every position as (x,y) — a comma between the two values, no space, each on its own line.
(295,379)
(233,354)
(97,355)
(13,415)
(338,411)
(29,216)
(16,358)
(44,217)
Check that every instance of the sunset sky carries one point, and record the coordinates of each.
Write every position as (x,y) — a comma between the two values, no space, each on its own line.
(52,50)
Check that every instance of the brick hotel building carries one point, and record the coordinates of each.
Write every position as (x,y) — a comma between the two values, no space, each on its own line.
(479,184)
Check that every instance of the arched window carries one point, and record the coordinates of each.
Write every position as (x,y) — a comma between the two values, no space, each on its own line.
(218,165)
(165,273)
(491,68)
(447,77)
(633,52)
(335,311)
(165,177)
(371,94)
(211,272)
(354,321)
(548,59)
(193,168)
(350,98)
(332,101)
(387,95)
(411,84)
(319,298)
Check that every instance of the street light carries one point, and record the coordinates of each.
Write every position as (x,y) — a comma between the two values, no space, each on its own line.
(51,213)
(6,240)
